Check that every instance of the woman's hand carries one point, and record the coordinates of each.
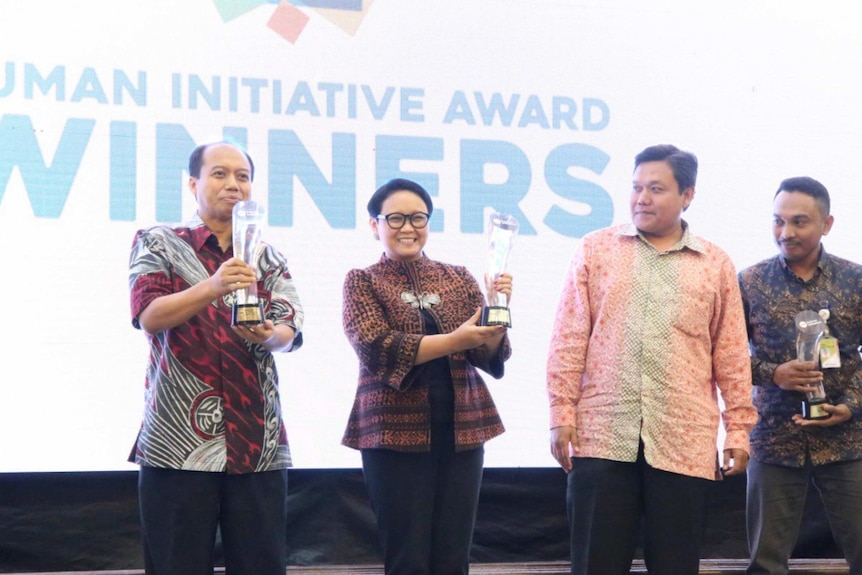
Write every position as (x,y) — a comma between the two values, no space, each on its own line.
(470,334)
(503,284)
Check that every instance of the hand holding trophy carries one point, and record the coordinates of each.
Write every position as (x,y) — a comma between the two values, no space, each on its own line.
(502,229)
(809,331)
(247,221)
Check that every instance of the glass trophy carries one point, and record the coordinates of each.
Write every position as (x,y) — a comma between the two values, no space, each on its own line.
(809,331)
(502,229)
(247,222)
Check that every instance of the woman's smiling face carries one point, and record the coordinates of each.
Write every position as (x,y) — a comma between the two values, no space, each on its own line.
(406,243)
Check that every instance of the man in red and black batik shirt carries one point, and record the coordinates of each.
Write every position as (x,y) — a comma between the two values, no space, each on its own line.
(212,447)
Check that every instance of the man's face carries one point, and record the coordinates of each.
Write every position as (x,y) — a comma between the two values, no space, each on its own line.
(225,179)
(656,202)
(798,223)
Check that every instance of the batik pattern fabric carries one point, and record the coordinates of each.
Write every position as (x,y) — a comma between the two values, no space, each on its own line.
(212,401)
(383,320)
(643,344)
(772,296)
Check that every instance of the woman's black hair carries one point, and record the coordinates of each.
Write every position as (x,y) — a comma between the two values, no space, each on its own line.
(375,204)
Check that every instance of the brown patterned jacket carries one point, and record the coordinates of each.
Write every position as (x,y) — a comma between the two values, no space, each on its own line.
(391,408)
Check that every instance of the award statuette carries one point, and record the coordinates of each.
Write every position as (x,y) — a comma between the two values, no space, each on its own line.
(247,221)
(809,331)
(502,229)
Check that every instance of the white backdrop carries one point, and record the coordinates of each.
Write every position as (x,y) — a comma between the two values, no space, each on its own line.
(101,102)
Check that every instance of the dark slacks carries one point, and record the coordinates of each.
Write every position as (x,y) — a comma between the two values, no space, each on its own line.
(182,510)
(607,503)
(425,505)
(776,501)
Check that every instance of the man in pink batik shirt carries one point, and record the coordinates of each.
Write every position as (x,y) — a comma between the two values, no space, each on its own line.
(649,330)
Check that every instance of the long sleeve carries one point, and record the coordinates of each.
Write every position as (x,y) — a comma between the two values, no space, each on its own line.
(731,364)
(386,354)
(569,341)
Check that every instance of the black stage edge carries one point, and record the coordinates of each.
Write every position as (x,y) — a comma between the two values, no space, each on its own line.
(67,522)
(707,567)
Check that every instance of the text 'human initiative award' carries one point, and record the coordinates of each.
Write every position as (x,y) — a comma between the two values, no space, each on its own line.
(809,330)
(247,222)
(502,229)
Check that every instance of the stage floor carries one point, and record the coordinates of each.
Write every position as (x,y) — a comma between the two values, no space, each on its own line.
(707,567)
(88,523)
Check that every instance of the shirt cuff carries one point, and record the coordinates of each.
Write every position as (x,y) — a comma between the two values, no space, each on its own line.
(562,416)
(737,440)
(762,372)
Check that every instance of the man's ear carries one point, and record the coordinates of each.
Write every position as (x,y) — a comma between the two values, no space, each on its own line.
(827,224)
(688,193)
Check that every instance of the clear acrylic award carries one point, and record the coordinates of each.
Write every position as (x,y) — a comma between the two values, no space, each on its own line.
(247,223)
(502,229)
(809,331)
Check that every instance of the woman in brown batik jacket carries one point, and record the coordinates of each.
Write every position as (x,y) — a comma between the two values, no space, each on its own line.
(422,412)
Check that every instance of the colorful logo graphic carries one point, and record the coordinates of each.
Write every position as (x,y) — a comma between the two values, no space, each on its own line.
(288,20)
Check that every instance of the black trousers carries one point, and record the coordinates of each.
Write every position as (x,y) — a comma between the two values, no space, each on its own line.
(425,505)
(775,503)
(182,510)
(607,503)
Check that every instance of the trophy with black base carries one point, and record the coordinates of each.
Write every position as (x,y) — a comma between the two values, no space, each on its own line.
(247,222)
(809,331)
(502,229)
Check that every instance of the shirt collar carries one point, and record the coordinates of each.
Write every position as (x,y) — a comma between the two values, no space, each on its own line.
(824,262)
(198,231)
(688,240)
(385,260)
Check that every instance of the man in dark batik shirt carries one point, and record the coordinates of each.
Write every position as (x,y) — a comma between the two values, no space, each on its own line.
(788,451)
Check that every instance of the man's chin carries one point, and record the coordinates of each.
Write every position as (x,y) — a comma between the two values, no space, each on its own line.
(788,256)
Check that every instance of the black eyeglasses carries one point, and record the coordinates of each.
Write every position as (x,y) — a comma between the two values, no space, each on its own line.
(397,220)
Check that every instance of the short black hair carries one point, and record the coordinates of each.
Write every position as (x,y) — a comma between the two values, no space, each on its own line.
(375,204)
(810,187)
(196,159)
(682,164)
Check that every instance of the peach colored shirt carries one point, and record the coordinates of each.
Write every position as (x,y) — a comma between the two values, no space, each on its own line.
(643,343)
